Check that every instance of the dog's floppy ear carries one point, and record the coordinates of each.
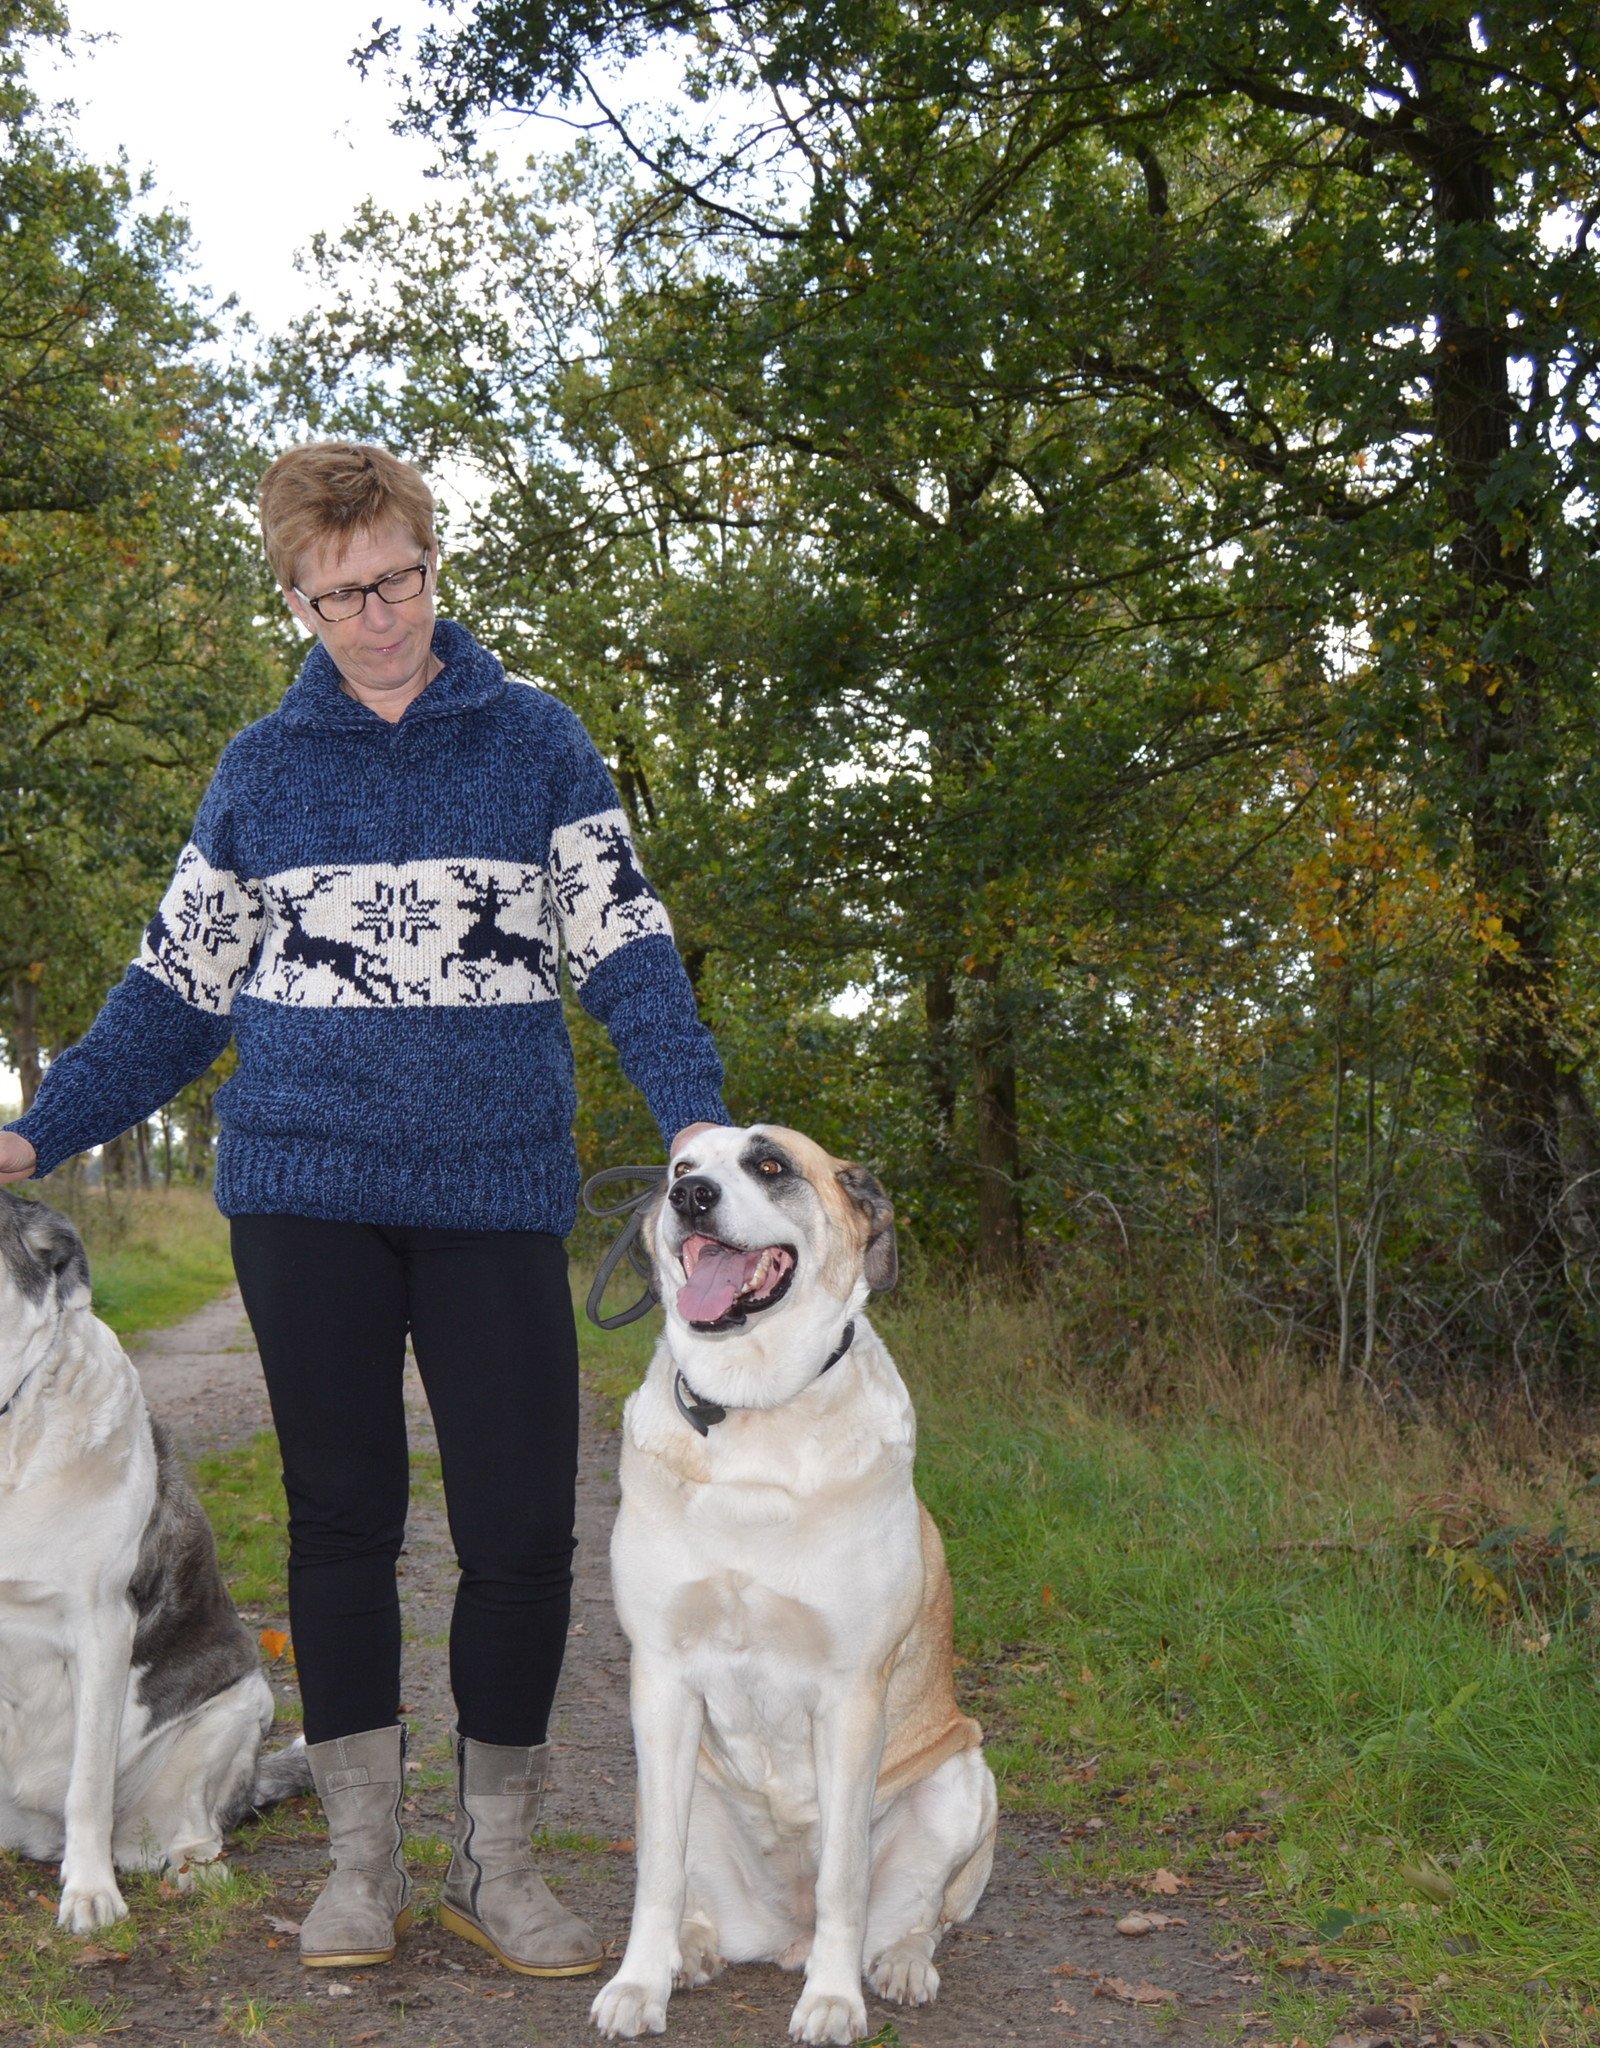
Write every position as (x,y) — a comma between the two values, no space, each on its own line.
(881,1263)
(56,1246)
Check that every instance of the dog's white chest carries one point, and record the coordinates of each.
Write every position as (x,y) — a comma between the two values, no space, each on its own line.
(730,1614)
(755,1654)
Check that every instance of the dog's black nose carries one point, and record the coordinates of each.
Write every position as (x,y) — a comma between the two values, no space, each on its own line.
(694,1195)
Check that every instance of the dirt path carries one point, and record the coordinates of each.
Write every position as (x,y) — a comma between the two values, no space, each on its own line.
(1001,1976)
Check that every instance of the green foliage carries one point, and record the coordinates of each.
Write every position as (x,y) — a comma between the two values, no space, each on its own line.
(131,641)
(1076,531)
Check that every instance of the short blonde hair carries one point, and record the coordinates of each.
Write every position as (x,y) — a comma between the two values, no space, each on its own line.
(336,491)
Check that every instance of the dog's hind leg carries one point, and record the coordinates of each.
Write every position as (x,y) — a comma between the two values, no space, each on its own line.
(932,1853)
(204,1780)
(700,1958)
(741,1896)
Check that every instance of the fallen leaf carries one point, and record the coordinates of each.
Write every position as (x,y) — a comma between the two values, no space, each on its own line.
(1142,1993)
(93,1956)
(1429,1879)
(1066,1970)
(1166,1883)
(281,1926)
(1061,2005)
(1093,1913)
(622,1846)
(274,1642)
(1149,1923)
(341,1991)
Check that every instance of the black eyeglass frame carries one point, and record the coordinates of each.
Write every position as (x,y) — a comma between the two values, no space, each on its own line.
(367,590)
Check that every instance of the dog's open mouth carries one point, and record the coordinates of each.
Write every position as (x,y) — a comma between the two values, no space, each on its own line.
(722,1283)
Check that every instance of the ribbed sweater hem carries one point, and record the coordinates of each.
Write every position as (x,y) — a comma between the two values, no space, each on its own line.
(466,1187)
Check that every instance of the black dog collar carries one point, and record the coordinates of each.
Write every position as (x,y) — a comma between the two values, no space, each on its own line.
(703,1415)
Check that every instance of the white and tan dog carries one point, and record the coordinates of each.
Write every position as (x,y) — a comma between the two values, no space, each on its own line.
(132,1703)
(809,1791)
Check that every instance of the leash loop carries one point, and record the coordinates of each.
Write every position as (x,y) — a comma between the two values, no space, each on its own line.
(627,1245)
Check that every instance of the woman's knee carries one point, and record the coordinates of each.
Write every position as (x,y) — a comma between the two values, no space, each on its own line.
(509,1577)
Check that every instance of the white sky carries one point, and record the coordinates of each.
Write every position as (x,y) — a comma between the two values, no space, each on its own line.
(253,122)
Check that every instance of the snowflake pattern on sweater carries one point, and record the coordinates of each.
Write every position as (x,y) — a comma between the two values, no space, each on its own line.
(440,931)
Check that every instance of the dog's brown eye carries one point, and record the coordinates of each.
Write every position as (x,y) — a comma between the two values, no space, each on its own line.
(770,1167)
(680,1169)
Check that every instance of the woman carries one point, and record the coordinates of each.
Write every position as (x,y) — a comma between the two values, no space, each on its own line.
(382,876)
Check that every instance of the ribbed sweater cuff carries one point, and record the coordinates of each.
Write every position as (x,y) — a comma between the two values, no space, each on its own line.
(50,1138)
(35,1138)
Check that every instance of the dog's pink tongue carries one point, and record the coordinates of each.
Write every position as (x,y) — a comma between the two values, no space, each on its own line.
(711,1289)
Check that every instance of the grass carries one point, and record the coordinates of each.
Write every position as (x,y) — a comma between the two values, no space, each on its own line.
(1338,1671)
(1334,1672)
(242,1492)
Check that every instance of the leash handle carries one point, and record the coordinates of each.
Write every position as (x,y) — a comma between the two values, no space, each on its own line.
(627,1245)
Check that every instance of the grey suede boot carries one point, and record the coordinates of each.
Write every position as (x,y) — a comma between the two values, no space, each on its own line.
(365,1906)
(493,1895)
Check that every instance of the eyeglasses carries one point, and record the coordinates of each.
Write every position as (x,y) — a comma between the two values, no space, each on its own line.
(398,587)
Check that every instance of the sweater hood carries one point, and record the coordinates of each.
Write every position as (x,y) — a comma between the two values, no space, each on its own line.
(471,678)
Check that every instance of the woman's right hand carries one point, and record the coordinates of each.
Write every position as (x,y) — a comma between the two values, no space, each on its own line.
(17,1157)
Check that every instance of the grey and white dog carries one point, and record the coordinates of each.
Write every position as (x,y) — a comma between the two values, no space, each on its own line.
(132,1701)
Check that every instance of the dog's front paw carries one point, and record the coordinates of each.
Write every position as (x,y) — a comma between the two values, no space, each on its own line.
(84,1907)
(904,1973)
(839,2017)
(624,2011)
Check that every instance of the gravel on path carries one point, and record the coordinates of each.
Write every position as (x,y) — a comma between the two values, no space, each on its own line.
(1034,1966)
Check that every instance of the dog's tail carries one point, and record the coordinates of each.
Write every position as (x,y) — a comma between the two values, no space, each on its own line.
(281,1774)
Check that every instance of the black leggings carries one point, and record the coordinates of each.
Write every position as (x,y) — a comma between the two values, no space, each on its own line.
(490,1318)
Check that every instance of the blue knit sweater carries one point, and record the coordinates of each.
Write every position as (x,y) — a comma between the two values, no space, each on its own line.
(376,912)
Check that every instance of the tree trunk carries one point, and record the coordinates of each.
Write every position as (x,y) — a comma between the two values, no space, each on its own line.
(1495,725)
(939,1008)
(114,1162)
(994,1087)
(141,1153)
(197,1131)
(25,1035)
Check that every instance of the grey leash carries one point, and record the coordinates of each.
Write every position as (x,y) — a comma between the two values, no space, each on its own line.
(627,1245)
